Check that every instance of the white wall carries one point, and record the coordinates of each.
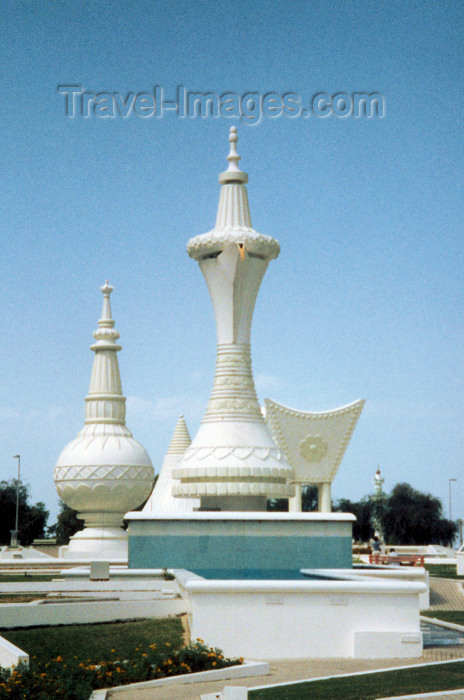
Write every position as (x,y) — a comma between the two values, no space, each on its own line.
(299,619)
(31,615)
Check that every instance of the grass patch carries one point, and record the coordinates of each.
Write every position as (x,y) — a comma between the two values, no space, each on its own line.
(95,641)
(26,578)
(102,656)
(442,571)
(448,676)
(454,616)
(20,597)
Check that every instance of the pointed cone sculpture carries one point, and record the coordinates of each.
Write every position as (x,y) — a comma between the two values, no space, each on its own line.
(180,438)
(233,462)
(104,472)
(162,500)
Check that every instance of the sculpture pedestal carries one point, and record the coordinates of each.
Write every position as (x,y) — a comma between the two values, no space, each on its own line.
(98,543)
(240,545)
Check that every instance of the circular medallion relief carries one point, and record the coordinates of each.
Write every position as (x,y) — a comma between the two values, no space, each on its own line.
(313,448)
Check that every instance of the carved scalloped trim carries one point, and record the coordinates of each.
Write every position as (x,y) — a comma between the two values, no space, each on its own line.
(232,473)
(273,408)
(232,405)
(224,488)
(255,242)
(242,453)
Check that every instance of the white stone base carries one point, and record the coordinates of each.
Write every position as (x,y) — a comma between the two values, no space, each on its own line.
(12,554)
(107,543)
(344,618)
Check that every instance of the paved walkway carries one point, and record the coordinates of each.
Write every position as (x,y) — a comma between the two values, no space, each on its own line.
(284,672)
(446,594)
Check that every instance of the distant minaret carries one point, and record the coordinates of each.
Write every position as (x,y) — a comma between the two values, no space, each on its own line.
(378,498)
(162,500)
(104,472)
(233,462)
(378,483)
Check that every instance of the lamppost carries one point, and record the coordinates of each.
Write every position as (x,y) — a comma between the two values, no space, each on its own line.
(14,533)
(450,480)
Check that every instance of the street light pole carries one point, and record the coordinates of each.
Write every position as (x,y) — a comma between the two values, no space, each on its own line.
(18,457)
(449,481)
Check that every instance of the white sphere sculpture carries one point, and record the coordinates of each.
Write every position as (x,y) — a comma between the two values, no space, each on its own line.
(104,472)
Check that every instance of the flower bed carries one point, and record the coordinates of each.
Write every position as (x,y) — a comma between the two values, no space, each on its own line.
(71,679)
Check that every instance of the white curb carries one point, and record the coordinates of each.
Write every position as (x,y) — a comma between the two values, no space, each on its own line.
(245,670)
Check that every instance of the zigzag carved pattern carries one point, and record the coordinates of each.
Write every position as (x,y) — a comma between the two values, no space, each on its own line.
(103,472)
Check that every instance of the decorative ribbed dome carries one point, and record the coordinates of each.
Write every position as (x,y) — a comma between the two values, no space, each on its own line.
(104,472)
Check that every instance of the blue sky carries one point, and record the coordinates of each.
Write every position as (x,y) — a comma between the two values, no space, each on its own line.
(366,298)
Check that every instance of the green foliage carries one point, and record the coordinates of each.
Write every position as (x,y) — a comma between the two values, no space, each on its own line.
(67,524)
(412,517)
(73,677)
(278,505)
(363,528)
(406,516)
(32,518)
(308,501)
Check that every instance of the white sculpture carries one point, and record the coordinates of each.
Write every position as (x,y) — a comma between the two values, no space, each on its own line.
(313,443)
(233,462)
(162,500)
(104,472)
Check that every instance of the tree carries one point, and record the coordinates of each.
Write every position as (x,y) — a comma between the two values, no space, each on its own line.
(363,528)
(413,517)
(308,501)
(32,519)
(67,524)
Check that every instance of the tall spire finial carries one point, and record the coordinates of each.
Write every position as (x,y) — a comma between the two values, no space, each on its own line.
(106,318)
(233,156)
(233,172)
(105,333)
